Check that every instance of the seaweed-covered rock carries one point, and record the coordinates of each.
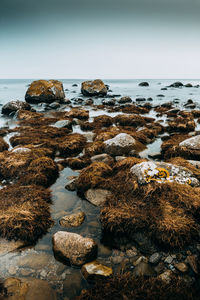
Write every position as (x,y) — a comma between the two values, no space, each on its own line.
(161,172)
(14,106)
(45,91)
(74,248)
(93,88)
(120,144)
(3,145)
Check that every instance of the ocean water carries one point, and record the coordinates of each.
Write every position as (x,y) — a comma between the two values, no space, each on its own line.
(65,201)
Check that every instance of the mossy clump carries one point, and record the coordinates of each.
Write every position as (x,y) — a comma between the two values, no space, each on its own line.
(29,118)
(170,146)
(3,145)
(24,212)
(78,113)
(41,171)
(179,161)
(126,286)
(77,163)
(133,109)
(129,120)
(102,121)
(169,213)
(29,167)
(72,145)
(181,124)
(93,175)
(94,148)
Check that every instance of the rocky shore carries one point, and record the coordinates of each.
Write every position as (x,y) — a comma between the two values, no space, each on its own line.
(141,209)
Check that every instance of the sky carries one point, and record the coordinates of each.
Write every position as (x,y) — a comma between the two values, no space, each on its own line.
(136,39)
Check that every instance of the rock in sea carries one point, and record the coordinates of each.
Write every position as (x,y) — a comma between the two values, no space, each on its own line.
(94,88)
(13,106)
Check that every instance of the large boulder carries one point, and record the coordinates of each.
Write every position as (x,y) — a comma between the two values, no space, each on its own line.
(163,172)
(121,144)
(45,91)
(192,143)
(74,248)
(13,106)
(93,88)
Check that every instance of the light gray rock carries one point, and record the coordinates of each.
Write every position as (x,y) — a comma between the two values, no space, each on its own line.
(97,196)
(155,258)
(74,248)
(168,259)
(192,143)
(102,158)
(163,172)
(63,124)
(121,144)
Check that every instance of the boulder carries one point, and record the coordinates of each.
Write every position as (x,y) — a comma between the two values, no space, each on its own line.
(93,88)
(97,196)
(74,248)
(144,83)
(13,106)
(28,289)
(125,99)
(192,143)
(119,145)
(63,124)
(163,172)
(73,220)
(45,91)
(94,270)
(176,84)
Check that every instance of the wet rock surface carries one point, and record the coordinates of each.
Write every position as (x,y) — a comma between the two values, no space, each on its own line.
(93,88)
(13,106)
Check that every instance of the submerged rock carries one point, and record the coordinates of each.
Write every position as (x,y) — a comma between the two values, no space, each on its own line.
(121,144)
(125,99)
(93,88)
(176,84)
(74,248)
(45,91)
(9,246)
(28,289)
(144,83)
(14,106)
(95,270)
(97,196)
(163,172)
(73,220)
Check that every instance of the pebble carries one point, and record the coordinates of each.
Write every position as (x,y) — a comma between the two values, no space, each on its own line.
(154,258)
(168,259)
(182,267)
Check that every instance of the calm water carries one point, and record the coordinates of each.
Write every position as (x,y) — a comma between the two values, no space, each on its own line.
(24,263)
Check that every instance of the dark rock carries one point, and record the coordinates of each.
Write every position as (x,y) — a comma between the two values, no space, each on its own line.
(143,83)
(140,99)
(54,105)
(13,106)
(188,85)
(89,102)
(161,96)
(176,84)
(125,99)
(109,102)
(74,84)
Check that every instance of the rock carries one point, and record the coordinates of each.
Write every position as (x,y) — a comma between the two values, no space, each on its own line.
(89,102)
(163,172)
(160,96)
(14,106)
(107,159)
(74,248)
(9,246)
(74,84)
(192,143)
(109,102)
(144,83)
(93,88)
(34,261)
(181,267)
(176,84)
(125,99)
(144,243)
(155,258)
(63,124)
(121,144)
(54,105)
(73,220)
(72,285)
(95,270)
(97,196)
(143,269)
(188,85)
(28,289)
(192,260)
(71,185)
(168,259)
(45,91)
(166,276)
(140,99)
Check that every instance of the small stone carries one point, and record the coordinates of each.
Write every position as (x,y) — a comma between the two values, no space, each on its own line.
(73,220)
(168,259)
(166,276)
(12,270)
(181,267)
(143,269)
(97,196)
(116,260)
(131,252)
(95,270)
(154,258)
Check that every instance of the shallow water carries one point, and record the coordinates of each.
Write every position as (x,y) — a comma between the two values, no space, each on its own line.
(25,263)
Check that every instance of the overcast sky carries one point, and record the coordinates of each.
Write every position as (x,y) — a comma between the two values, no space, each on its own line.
(99,39)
